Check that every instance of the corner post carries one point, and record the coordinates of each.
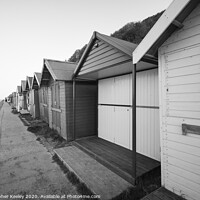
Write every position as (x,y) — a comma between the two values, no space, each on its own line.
(74,107)
(134,122)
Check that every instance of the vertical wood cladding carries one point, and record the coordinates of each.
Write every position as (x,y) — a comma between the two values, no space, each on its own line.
(69,109)
(43,98)
(85,109)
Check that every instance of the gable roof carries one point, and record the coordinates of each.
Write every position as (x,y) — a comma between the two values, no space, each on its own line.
(36,79)
(170,21)
(29,82)
(23,86)
(123,46)
(18,89)
(59,70)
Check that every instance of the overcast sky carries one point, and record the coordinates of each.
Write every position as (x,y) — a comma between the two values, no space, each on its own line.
(31,30)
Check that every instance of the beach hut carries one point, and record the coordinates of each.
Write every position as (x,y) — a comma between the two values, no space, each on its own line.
(18,98)
(175,41)
(14,100)
(63,117)
(28,91)
(23,98)
(44,98)
(108,62)
(55,81)
(34,95)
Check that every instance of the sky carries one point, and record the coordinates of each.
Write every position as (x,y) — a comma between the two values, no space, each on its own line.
(31,30)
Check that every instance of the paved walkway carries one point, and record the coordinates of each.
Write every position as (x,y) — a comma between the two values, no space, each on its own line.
(25,165)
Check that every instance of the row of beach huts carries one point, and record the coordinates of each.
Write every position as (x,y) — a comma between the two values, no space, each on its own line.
(144,98)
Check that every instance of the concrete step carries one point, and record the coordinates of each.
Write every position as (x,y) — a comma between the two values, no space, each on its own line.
(99,179)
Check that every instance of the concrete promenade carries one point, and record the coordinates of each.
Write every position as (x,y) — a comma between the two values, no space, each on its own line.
(26,168)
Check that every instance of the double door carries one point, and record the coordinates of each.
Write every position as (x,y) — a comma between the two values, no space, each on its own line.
(115,112)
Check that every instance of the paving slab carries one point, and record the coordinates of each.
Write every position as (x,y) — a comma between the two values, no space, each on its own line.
(99,179)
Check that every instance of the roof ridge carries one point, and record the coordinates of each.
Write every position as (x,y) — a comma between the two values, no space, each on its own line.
(59,61)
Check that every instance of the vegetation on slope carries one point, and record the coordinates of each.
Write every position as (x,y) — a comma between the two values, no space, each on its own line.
(133,32)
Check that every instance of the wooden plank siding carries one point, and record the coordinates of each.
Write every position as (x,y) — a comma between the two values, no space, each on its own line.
(102,56)
(69,109)
(86,109)
(180,104)
(43,98)
(57,106)
(34,103)
(24,101)
(55,109)
(31,102)
(62,99)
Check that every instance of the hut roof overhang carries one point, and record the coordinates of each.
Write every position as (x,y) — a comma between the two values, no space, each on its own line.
(28,83)
(23,86)
(122,46)
(36,80)
(58,70)
(170,21)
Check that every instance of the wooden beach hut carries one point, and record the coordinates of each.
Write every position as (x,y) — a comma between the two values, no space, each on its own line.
(71,112)
(14,103)
(175,41)
(18,98)
(55,80)
(23,98)
(28,92)
(34,95)
(107,61)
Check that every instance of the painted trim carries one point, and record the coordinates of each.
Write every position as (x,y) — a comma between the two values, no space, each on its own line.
(175,8)
(117,105)
(74,109)
(130,106)
(151,107)
(91,70)
(134,123)
(128,73)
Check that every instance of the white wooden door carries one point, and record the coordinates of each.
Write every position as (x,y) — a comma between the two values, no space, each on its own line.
(106,123)
(122,126)
(122,90)
(106,91)
(114,110)
(115,113)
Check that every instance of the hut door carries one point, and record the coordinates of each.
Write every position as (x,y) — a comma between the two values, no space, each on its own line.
(114,110)
(56,113)
(45,104)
